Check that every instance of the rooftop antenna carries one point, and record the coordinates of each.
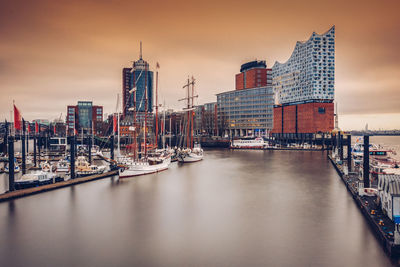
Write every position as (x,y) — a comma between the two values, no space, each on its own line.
(140,50)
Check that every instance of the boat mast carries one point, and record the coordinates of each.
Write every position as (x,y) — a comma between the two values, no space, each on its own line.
(145,110)
(170,131)
(157,66)
(188,114)
(192,115)
(135,148)
(164,128)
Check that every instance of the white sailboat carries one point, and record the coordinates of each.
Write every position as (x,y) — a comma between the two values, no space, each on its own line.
(192,152)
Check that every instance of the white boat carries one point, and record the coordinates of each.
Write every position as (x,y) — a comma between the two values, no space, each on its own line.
(95,151)
(46,166)
(35,179)
(249,143)
(150,165)
(84,168)
(192,152)
(63,165)
(16,167)
(190,155)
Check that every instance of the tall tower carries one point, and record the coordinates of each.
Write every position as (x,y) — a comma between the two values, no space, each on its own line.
(140,77)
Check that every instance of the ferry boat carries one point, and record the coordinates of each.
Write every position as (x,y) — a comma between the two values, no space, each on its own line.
(257,143)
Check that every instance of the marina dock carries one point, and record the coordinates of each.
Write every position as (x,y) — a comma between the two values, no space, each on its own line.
(382,227)
(45,188)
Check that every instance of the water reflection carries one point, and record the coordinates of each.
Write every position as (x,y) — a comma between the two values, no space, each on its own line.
(234,208)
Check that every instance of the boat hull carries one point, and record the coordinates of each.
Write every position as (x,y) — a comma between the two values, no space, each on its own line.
(143,169)
(189,158)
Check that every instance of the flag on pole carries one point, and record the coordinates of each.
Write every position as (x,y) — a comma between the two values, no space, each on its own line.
(17,118)
(28,127)
(54,129)
(36,127)
(115,124)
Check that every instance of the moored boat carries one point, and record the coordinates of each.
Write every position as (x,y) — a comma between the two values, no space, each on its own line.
(249,143)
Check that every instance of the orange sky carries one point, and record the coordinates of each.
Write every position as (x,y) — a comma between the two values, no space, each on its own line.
(54,53)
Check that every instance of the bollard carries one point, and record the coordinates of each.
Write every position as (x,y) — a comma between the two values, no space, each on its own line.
(11,164)
(366,162)
(23,148)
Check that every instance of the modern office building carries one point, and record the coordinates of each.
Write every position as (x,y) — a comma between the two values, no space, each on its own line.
(246,111)
(139,77)
(304,87)
(253,74)
(83,116)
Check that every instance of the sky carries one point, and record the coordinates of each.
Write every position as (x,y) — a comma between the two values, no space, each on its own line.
(54,53)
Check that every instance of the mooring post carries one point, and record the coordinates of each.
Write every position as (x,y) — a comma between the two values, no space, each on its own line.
(23,147)
(39,144)
(341,147)
(11,164)
(366,162)
(72,151)
(112,146)
(90,149)
(27,142)
(349,153)
(5,139)
(34,149)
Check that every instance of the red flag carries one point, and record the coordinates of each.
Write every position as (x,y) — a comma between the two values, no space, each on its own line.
(36,127)
(115,123)
(17,118)
(54,129)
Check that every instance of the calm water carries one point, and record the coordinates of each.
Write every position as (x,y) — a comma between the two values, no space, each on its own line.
(235,208)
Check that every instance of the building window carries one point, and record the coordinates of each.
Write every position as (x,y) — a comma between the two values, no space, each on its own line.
(321,110)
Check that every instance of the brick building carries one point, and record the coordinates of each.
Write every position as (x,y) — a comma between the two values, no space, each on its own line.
(83,117)
(311,117)
(304,87)
(253,74)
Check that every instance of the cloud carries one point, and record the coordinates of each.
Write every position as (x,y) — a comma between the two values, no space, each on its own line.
(54,53)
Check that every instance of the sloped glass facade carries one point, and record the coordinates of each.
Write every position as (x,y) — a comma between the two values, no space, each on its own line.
(309,73)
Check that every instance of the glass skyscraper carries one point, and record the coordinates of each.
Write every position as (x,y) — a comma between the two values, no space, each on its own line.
(140,77)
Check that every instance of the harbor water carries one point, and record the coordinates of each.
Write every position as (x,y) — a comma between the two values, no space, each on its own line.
(234,208)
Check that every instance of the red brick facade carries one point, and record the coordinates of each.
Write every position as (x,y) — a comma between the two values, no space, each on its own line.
(311,118)
(240,81)
(251,78)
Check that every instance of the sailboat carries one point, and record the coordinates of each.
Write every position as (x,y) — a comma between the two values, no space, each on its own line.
(192,152)
(135,166)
